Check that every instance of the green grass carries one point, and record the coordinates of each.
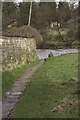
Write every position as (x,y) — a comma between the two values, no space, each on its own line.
(55,31)
(69,40)
(50,94)
(8,77)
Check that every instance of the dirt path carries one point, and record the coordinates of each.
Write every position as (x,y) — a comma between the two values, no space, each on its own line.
(11,97)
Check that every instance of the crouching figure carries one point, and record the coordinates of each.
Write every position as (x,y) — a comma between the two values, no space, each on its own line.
(50,54)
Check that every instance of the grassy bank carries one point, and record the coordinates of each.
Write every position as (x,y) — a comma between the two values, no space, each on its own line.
(51,94)
(8,77)
(53,40)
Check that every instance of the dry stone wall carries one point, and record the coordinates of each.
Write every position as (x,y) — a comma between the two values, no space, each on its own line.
(17,51)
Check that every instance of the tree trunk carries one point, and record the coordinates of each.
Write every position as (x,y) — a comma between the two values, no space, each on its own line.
(59,32)
(29,21)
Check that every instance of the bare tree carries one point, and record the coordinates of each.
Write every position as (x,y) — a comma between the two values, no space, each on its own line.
(30,11)
(59,32)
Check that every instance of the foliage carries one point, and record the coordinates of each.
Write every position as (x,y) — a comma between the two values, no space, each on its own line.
(63,12)
(23,13)
(8,13)
(48,11)
(43,14)
(70,38)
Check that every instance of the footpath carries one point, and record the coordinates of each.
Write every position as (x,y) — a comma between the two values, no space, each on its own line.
(11,97)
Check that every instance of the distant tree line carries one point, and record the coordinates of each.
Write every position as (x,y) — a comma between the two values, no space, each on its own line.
(43,13)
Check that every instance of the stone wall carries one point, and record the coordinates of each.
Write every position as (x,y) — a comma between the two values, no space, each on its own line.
(17,51)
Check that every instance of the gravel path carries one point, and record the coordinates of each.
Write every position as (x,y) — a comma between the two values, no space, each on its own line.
(11,97)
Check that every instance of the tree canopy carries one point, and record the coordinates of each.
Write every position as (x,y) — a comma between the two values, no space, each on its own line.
(43,13)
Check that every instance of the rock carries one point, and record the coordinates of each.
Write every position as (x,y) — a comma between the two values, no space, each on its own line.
(6,108)
(16,93)
(58,108)
(7,94)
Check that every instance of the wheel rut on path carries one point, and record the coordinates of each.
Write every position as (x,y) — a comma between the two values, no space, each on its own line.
(11,97)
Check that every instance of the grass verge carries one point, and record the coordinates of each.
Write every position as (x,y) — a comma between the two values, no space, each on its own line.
(8,77)
(51,94)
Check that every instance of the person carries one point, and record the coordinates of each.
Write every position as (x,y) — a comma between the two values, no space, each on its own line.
(45,59)
(50,54)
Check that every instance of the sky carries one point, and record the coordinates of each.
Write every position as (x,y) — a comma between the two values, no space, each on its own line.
(43,0)
(51,0)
